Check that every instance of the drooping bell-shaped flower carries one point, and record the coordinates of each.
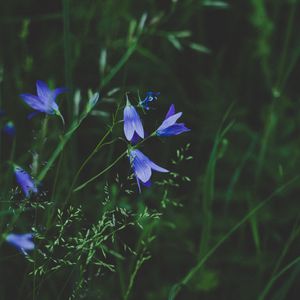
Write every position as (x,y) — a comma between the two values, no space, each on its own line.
(150,96)
(25,181)
(22,242)
(9,129)
(132,122)
(142,167)
(169,126)
(44,101)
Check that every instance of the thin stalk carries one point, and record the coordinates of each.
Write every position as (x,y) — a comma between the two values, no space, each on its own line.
(67,49)
(275,277)
(119,65)
(101,173)
(288,33)
(110,166)
(177,287)
(64,140)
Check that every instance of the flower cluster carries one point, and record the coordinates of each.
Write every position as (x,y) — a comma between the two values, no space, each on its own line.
(142,166)
(43,102)
(150,96)
(133,129)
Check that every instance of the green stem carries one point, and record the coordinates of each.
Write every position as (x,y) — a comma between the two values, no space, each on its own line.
(177,287)
(74,126)
(101,173)
(119,65)
(111,165)
(274,278)
(283,57)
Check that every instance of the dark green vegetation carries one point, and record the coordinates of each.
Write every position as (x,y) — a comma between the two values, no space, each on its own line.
(226,227)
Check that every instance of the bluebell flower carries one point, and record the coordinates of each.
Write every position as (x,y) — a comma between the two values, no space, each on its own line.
(9,129)
(150,96)
(44,101)
(169,126)
(22,242)
(142,167)
(25,181)
(132,122)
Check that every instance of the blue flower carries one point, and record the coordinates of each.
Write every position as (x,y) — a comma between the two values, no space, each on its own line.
(150,96)
(44,101)
(22,242)
(132,122)
(142,167)
(25,181)
(9,129)
(169,126)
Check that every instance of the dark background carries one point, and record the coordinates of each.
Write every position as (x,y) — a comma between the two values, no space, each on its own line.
(227,65)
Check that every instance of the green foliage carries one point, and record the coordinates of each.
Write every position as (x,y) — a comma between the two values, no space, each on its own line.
(225,223)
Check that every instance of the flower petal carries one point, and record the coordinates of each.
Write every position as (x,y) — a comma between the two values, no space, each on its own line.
(21,241)
(150,96)
(138,125)
(34,102)
(157,168)
(59,91)
(169,121)
(141,165)
(142,171)
(175,129)
(135,139)
(128,123)
(32,115)
(132,122)
(148,183)
(25,181)
(170,112)
(43,90)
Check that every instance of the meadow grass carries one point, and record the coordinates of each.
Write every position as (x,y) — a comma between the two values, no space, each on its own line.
(224,222)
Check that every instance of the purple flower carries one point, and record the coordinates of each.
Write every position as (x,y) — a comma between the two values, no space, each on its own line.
(9,129)
(25,181)
(44,101)
(22,242)
(150,96)
(169,126)
(132,122)
(142,167)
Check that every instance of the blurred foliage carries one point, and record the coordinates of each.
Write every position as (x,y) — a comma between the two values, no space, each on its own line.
(227,227)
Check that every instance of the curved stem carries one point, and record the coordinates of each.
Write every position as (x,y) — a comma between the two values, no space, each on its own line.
(111,165)
(101,173)
(274,278)
(177,287)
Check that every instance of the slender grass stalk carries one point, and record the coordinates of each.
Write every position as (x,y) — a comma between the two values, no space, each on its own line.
(65,138)
(119,64)
(67,50)
(142,258)
(140,248)
(292,237)
(264,293)
(111,165)
(177,287)
(94,152)
(100,173)
(208,186)
(284,55)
